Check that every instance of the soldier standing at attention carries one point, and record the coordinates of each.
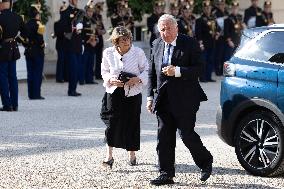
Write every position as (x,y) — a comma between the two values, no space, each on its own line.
(251,13)
(174,10)
(152,21)
(62,63)
(266,17)
(220,14)
(233,27)
(34,52)
(10,25)
(89,38)
(72,19)
(100,30)
(186,24)
(207,32)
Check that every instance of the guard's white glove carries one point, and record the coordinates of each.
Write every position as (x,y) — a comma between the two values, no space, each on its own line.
(79,26)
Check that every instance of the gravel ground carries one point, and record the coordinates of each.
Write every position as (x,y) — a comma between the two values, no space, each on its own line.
(58,143)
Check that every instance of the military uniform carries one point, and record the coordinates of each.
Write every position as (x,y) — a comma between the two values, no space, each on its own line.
(152,22)
(100,44)
(232,32)
(34,52)
(62,60)
(90,40)
(250,16)
(220,16)
(186,24)
(10,24)
(72,23)
(206,32)
(266,17)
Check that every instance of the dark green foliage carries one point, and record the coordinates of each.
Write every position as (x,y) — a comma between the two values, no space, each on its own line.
(22,7)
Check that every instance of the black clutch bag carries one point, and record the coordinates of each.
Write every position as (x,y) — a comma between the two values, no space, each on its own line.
(125,76)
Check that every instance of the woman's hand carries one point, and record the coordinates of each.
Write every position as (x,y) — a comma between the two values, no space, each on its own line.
(133,81)
(115,82)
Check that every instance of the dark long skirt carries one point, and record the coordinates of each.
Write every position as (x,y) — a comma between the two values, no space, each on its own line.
(122,118)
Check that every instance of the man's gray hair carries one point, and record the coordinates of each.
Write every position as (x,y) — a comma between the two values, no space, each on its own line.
(167,17)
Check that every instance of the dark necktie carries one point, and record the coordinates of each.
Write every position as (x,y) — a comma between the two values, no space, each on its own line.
(166,61)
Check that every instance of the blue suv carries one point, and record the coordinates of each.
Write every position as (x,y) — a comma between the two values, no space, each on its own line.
(251,113)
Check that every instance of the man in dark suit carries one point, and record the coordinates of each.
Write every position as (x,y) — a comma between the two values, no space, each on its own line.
(175,66)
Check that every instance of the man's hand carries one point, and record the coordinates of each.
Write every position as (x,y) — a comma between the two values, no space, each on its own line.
(149,106)
(231,44)
(169,70)
(115,82)
(133,81)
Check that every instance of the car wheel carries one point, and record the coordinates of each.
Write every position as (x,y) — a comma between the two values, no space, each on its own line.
(259,144)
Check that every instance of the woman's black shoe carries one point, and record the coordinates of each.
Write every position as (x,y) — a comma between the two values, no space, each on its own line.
(108,163)
(133,162)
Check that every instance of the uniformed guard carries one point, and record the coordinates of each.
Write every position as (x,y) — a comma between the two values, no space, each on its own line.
(62,60)
(266,17)
(72,22)
(186,24)
(251,13)
(90,41)
(207,32)
(34,52)
(100,31)
(123,16)
(220,13)
(10,24)
(152,21)
(174,9)
(232,30)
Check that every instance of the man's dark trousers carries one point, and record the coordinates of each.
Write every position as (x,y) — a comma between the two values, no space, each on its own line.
(8,84)
(35,70)
(168,123)
(61,66)
(74,61)
(89,62)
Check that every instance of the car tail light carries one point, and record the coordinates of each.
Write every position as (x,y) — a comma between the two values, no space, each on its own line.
(229,69)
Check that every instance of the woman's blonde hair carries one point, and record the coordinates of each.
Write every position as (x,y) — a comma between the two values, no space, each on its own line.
(118,32)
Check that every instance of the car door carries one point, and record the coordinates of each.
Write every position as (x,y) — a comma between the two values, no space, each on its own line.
(258,74)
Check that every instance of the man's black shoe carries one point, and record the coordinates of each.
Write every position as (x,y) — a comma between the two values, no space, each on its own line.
(15,108)
(37,98)
(206,172)
(74,94)
(92,83)
(59,81)
(6,109)
(211,80)
(162,180)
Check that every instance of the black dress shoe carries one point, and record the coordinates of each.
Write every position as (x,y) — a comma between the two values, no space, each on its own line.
(206,172)
(81,83)
(211,80)
(37,98)
(59,81)
(92,83)
(162,180)
(108,163)
(15,108)
(74,94)
(6,109)
(133,162)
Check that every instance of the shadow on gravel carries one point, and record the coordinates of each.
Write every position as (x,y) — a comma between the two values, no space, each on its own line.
(185,168)
(226,185)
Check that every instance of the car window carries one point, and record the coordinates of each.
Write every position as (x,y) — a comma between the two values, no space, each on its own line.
(268,48)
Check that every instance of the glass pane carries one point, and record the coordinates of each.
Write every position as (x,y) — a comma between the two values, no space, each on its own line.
(265,48)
